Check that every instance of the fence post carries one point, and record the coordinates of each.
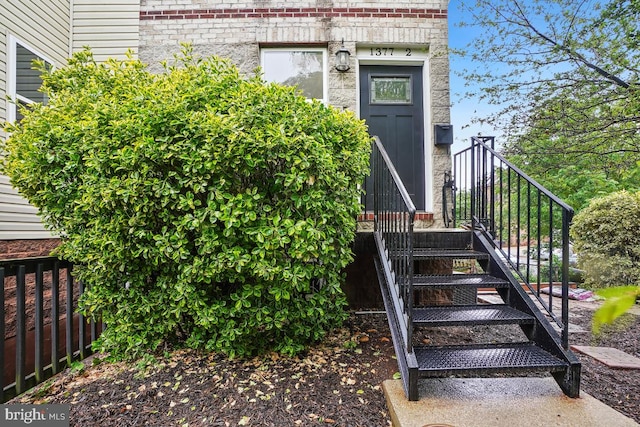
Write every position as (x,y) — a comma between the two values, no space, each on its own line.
(39,324)
(2,331)
(69,314)
(21,330)
(55,316)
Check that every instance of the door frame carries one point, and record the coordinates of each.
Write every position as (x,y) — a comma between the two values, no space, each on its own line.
(420,57)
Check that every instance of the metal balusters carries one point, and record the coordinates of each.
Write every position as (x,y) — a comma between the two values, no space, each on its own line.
(500,196)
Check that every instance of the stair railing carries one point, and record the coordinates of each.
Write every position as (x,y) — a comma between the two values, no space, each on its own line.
(394,215)
(527,224)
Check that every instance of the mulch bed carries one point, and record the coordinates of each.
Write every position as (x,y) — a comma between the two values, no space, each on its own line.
(618,388)
(336,383)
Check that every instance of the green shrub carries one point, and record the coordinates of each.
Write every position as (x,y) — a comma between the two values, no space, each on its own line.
(203,208)
(607,240)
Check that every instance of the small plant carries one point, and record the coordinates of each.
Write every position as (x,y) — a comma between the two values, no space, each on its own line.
(350,344)
(76,367)
(44,389)
(146,364)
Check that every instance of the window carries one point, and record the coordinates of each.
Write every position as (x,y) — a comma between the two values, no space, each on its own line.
(305,68)
(390,90)
(23,81)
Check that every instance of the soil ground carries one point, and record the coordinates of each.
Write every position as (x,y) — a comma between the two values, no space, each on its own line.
(337,382)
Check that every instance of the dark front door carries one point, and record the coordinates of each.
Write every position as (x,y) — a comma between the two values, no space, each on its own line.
(391,103)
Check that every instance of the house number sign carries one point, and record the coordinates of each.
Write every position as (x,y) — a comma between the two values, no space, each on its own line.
(395,53)
(389,51)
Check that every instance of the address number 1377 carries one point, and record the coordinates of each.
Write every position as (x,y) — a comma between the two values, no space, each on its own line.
(389,51)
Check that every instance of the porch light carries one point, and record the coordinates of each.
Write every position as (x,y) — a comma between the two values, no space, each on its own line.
(342,59)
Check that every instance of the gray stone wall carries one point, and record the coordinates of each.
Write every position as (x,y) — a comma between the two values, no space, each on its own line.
(238,29)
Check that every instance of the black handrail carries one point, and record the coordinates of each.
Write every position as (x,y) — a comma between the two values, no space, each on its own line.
(24,358)
(527,223)
(394,215)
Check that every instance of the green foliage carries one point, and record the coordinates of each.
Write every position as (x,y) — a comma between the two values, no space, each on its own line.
(618,300)
(76,366)
(563,76)
(201,207)
(574,181)
(607,240)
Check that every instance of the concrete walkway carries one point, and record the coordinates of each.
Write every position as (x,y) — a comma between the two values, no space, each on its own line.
(497,402)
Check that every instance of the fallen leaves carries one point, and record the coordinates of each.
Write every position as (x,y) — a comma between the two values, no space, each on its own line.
(330,384)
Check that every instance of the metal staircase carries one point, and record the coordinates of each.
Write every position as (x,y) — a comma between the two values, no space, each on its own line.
(423,292)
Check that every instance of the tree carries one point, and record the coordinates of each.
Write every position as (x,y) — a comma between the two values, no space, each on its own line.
(201,208)
(565,74)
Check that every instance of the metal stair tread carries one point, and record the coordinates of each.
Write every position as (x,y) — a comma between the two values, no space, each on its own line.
(485,358)
(454,280)
(494,314)
(426,253)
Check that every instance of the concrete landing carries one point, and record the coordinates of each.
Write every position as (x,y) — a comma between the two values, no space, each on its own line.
(497,402)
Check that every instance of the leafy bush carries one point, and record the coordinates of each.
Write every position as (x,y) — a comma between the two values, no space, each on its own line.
(202,208)
(607,240)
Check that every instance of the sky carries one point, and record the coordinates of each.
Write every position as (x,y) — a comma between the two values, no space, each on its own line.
(463,109)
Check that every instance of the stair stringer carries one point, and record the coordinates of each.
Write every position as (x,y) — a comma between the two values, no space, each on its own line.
(542,333)
(407,362)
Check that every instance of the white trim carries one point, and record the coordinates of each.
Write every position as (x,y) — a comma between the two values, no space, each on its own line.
(302,48)
(71,27)
(11,73)
(422,61)
(369,54)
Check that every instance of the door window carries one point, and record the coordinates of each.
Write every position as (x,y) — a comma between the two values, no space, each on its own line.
(390,90)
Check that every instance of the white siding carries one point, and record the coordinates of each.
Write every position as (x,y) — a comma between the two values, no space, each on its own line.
(108,27)
(43,25)
(55,28)
(18,219)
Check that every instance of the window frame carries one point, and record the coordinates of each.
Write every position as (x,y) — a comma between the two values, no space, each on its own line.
(302,48)
(12,75)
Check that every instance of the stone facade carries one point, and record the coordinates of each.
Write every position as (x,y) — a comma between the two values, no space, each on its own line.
(238,29)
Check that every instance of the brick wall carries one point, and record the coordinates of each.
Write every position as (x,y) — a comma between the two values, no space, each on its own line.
(12,249)
(237,30)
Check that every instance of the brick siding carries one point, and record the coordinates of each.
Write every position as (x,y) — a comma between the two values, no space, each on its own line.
(294,12)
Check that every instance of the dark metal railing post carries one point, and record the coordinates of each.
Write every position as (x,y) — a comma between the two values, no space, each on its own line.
(376,185)
(473,184)
(39,323)
(55,316)
(82,328)
(566,223)
(21,330)
(69,314)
